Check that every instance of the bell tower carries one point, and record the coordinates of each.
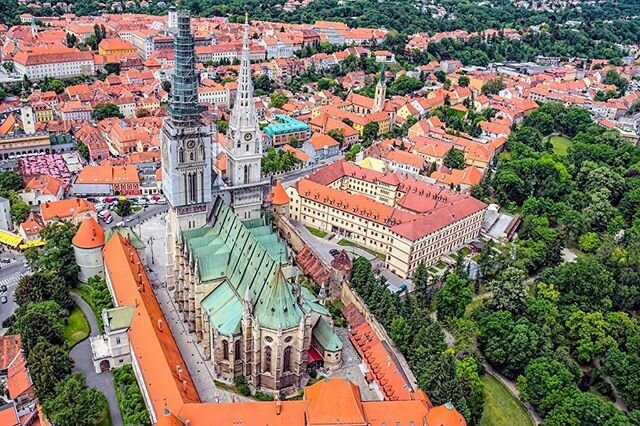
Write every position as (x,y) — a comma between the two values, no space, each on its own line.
(244,145)
(186,148)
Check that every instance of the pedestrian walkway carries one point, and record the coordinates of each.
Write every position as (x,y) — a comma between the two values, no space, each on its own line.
(200,369)
(83,363)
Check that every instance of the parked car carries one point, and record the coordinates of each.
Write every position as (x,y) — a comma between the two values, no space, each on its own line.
(334,252)
(3,299)
(5,260)
(3,288)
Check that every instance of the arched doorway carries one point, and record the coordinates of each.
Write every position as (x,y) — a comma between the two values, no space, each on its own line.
(105,365)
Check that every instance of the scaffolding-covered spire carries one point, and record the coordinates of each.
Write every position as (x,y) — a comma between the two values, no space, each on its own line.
(184,87)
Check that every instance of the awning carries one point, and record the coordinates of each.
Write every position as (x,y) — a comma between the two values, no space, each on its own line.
(31,243)
(9,239)
(313,356)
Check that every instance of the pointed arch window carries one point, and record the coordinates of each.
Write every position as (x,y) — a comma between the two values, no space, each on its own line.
(181,155)
(267,360)
(236,350)
(225,350)
(286,362)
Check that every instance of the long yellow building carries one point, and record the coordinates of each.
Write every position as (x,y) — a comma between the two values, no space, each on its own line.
(407,220)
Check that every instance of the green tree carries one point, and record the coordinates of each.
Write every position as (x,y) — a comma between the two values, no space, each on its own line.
(166,86)
(83,150)
(38,321)
(278,100)
(545,383)
(112,68)
(585,409)
(453,298)
(223,125)
(589,242)
(105,110)
(401,334)
(464,81)
(528,136)
(123,208)
(588,333)
(57,254)
(41,287)
(467,374)
(74,403)
(48,365)
(454,159)
(403,85)
(353,151)
(510,290)
(10,181)
(132,406)
(421,285)
(575,120)
(440,75)
(493,86)
(19,211)
(585,284)
(370,132)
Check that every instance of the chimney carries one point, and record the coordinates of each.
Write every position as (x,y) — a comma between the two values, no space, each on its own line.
(93,232)
(184,385)
(160,326)
(178,368)
(278,406)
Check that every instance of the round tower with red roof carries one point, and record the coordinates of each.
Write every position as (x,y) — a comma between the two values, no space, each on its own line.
(87,247)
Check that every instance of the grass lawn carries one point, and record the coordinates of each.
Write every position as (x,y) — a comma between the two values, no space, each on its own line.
(464,251)
(76,328)
(84,291)
(500,407)
(348,243)
(318,233)
(560,144)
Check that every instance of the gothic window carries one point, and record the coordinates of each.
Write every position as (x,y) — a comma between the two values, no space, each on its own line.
(181,155)
(247,170)
(236,350)
(191,155)
(267,359)
(286,362)
(225,350)
(200,152)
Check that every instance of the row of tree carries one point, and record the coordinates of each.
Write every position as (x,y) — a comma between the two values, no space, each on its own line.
(44,306)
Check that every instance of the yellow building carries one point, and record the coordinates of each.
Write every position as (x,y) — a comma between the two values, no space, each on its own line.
(116,46)
(407,221)
(43,112)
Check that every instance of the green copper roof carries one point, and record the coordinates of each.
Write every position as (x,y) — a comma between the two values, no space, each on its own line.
(224,309)
(244,258)
(119,318)
(126,232)
(277,306)
(325,335)
(285,124)
(312,303)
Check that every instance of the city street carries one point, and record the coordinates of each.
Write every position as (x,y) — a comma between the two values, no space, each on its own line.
(10,274)
(136,218)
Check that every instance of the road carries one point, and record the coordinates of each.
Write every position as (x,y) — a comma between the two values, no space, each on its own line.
(83,363)
(138,217)
(10,275)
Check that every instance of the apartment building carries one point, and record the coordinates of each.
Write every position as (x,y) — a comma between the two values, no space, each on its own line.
(409,221)
(59,62)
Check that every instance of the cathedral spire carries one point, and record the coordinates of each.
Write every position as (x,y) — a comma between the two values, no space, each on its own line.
(244,109)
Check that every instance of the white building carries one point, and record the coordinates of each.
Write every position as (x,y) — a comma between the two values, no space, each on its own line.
(216,95)
(53,62)
(5,215)
(112,349)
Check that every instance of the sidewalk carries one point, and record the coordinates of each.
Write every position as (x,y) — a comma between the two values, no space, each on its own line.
(200,369)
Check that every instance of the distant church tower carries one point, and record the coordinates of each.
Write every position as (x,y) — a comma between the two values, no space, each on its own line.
(381,92)
(244,147)
(186,148)
(27,116)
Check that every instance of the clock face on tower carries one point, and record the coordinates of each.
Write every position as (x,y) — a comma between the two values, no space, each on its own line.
(248,136)
(191,144)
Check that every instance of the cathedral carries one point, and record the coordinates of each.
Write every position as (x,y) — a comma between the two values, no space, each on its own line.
(228,270)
